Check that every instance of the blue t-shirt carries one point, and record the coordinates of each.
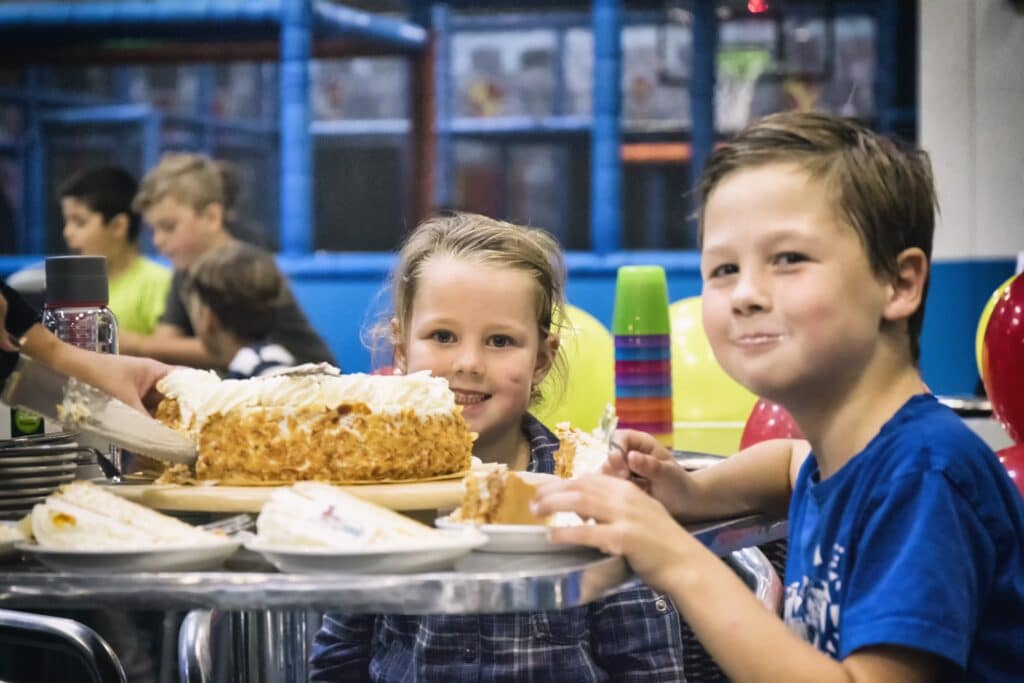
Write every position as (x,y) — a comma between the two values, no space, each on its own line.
(917,541)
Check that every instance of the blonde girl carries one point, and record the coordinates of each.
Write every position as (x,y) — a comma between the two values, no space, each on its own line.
(474,302)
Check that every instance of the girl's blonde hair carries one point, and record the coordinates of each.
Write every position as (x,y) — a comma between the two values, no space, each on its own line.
(195,180)
(486,241)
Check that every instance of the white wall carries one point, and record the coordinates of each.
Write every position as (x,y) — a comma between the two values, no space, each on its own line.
(972,123)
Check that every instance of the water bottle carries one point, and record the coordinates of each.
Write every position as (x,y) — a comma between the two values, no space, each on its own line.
(643,352)
(76,312)
(76,302)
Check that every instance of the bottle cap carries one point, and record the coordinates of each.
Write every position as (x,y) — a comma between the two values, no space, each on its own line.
(76,281)
(641,301)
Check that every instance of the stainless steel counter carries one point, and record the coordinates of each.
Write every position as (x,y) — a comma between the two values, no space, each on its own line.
(478,583)
(270,617)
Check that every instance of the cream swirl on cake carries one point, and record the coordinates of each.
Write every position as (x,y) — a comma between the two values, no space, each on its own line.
(328,427)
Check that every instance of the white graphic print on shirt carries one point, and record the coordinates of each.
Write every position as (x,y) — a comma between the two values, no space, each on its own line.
(813,603)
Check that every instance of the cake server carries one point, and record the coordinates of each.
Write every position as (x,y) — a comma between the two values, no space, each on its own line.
(78,405)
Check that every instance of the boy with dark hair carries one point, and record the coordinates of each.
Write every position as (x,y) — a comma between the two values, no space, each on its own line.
(906,536)
(233,294)
(99,221)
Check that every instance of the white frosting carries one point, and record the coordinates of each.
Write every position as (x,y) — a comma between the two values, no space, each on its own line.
(311,514)
(590,450)
(201,395)
(81,516)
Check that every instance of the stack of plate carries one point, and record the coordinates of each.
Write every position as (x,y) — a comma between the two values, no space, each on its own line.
(32,467)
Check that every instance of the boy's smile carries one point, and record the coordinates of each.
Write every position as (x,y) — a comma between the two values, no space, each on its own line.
(791,305)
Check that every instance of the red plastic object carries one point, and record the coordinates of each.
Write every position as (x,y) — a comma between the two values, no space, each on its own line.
(1013,460)
(769,420)
(1002,359)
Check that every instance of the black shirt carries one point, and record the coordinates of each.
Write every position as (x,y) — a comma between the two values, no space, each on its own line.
(291,327)
(20,317)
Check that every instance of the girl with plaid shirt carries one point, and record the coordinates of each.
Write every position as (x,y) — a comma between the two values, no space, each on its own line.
(494,348)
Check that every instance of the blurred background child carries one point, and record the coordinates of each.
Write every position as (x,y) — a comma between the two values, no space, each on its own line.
(99,221)
(234,293)
(494,347)
(188,201)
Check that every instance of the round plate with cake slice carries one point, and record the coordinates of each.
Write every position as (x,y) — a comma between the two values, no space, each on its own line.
(154,559)
(435,554)
(513,538)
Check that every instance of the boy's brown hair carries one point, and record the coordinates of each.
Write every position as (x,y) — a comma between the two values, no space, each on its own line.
(881,190)
(243,287)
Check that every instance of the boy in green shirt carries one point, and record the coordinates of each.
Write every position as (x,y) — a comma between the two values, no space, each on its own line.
(99,221)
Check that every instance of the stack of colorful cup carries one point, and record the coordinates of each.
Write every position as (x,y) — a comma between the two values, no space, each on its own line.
(643,352)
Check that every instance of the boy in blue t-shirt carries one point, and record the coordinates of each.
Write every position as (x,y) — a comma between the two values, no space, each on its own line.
(906,536)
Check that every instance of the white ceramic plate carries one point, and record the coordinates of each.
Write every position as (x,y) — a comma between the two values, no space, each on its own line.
(37,470)
(12,482)
(170,559)
(406,559)
(43,460)
(26,492)
(512,538)
(7,503)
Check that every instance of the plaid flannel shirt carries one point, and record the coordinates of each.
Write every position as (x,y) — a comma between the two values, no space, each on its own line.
(632,635)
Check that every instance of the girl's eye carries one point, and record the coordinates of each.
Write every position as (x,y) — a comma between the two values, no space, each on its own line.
(789,258)
(443,337)
(501,341)
(724,269)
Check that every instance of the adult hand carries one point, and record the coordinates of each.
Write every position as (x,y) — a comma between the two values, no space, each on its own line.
(641,459)
(628,522)
(130,379)
(7,341)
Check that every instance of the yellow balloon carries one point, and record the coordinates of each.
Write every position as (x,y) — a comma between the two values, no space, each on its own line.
(986,313)
(589,379)
(709,408)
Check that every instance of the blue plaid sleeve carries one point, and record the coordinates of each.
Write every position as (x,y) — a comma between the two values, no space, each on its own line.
(341,649)
(636,636)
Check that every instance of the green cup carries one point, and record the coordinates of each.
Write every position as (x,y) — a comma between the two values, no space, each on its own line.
(641,301)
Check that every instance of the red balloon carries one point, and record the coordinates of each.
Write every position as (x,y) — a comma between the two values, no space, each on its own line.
(1002,359)
(1013,460)
(769,420)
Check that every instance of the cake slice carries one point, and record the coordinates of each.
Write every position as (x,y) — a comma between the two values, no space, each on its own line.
(316,515)
(501,497)
(579,452)
(82,516)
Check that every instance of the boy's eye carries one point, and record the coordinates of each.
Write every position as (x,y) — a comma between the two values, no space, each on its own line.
(443,336)
(789,258)
(501,340)
(723,270)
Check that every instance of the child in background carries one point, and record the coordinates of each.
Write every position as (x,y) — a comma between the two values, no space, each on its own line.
(906,536)
(99,221)
(494,348)
(189,201)
(233,295)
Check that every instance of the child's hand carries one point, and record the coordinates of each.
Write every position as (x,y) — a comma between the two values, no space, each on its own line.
(628,523)
(639,458)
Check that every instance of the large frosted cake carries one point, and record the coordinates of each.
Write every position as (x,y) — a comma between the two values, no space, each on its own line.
(312,424)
